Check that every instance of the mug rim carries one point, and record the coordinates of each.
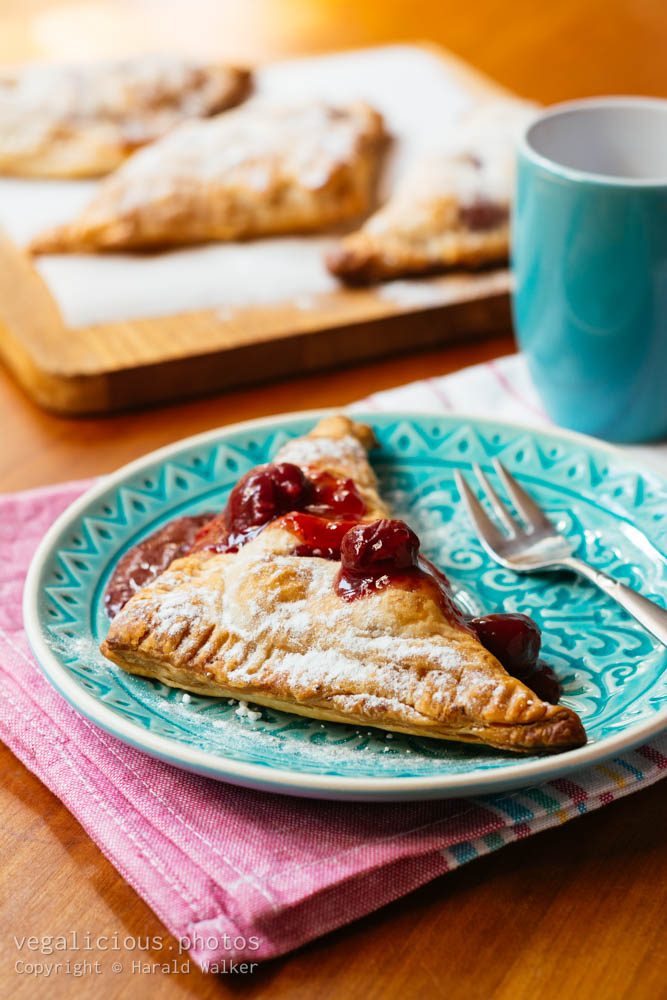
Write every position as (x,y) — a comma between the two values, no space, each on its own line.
(528,152)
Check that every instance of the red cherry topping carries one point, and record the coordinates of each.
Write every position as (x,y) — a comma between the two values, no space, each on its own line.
(319,536)
(513,639)
(270,491)
(212,536)
(264,494)
(151,556)
(544,682)
(375,555)
(482,214)
(379,547)
(331,496)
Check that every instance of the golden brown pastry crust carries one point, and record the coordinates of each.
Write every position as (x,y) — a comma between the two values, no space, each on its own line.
(266,626)
(255,171)
(84,120)
(451,210)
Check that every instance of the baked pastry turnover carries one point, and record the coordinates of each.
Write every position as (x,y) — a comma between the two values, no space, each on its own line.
(255,171)
(451,209)
(84,120)
(304,596)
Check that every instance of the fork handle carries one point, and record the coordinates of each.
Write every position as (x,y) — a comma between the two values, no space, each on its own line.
(650,614)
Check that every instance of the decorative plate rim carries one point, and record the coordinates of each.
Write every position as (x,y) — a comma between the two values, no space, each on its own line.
(287,780)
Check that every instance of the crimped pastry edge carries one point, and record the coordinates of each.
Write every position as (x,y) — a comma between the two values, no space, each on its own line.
(165,673)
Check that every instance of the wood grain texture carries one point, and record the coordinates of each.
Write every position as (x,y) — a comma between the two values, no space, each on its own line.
(576,912)
(113,366)
(116,366)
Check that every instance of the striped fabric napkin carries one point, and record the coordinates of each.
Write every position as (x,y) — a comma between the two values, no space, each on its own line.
(241,875)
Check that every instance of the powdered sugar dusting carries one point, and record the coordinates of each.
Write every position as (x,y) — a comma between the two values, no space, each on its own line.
(244,712)
(107,288)
(313,450)
(268,736)
(82,648)
(129,100)
(286,628)
(263,142)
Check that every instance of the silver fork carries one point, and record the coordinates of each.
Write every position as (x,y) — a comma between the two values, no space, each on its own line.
(539,546)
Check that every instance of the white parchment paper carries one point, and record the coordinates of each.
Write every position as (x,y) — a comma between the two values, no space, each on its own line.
(421,101)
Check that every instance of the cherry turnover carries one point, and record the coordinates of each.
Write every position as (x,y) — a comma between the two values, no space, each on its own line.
(325,514)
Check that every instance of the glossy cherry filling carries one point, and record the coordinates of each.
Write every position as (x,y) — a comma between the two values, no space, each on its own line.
(386,553)
(383,546)
(271,491)
(373,556)
(148,558)
(543,681)
(319,536)
(483,213)
(331,496)
(515,641)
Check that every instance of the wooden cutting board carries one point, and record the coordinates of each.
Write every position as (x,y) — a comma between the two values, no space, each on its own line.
(108,366)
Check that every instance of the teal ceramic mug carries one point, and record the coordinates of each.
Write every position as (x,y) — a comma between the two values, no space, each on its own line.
(589,235)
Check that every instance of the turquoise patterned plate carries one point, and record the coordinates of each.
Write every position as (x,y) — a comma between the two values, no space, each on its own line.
(612,671)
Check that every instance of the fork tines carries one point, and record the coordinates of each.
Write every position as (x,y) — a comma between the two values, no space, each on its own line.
(534,517)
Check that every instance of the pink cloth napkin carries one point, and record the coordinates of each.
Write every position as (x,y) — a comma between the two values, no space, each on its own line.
(238,874)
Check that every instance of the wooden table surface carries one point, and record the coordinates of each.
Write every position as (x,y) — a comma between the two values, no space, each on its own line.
(576,912)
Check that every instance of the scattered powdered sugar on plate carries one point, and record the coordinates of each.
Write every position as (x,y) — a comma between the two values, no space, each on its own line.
(321,746)
(83,648)
(245,712)
(244,730)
